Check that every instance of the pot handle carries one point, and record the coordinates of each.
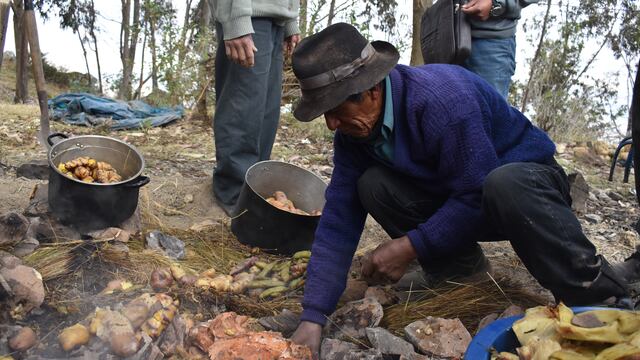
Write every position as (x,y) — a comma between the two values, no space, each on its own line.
(54,135)
(140,181)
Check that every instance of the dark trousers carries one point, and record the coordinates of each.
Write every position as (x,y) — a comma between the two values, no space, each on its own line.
(247,108)
(526,203)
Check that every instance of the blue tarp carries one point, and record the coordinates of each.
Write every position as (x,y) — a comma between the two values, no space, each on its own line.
(90,110)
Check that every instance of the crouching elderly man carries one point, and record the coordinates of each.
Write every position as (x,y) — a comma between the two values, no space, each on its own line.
(441,161)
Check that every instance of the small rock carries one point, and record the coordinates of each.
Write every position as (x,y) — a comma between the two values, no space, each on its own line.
(285,322)
(416,356)
(615,196)
(133,225)
(579,190)
(439,337)
(512,310)
(203,225)
(166,244)
(326,170)
(26,285)
(385,295)
(37,170)
(25,247)
(354,291)
(112,233)
(487,320)
(628,238)
(188,199)
(561,148)
(13,228)
(46,229)
(23,340)
(593,218)
(350,321)
(9,261)
(387,343)
(332,349)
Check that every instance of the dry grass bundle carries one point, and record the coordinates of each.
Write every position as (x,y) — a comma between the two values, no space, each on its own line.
(468,302)
(52,262)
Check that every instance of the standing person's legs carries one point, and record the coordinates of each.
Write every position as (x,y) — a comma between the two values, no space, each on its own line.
(241,95)
(399,205)
(530,204)
(274,95)
(495,61)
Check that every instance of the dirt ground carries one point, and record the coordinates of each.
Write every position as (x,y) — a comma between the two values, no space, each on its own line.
(180,158)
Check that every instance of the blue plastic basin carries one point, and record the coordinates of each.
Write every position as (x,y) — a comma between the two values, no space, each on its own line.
(498,335)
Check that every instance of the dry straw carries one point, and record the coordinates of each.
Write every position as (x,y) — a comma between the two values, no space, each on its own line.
(468,302)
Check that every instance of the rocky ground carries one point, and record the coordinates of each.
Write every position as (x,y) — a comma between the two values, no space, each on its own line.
(180,158)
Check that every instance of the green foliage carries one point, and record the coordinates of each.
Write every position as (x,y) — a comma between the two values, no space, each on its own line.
(564,97)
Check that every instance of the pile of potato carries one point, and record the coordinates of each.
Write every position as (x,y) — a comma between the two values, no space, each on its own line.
(556,333)
(123,329)
(89,170)
(259,279)
(282,202)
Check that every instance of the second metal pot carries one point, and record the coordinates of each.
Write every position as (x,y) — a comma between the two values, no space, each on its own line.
(260,224)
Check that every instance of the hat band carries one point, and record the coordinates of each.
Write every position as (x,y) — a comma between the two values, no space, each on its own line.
(339,73)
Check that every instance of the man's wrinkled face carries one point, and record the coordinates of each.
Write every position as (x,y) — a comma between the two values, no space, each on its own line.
(356,118)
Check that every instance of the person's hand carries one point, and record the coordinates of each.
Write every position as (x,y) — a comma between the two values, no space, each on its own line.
(388,262)
(290,43)
(240,50)
(308,334)
(478,8)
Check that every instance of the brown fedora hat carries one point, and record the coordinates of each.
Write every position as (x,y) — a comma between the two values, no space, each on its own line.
(336,63)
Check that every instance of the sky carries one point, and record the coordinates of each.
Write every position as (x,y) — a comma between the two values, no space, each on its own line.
(62,48)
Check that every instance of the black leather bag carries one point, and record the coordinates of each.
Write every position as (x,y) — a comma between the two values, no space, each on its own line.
(445,33)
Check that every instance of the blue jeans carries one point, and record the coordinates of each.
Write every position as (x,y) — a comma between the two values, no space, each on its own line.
(247,109)
(494,60)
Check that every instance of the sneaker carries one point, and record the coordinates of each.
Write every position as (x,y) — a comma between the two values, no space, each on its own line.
(469,266)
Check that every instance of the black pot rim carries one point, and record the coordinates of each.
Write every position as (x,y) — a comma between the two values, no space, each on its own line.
(75,138)
(246,180)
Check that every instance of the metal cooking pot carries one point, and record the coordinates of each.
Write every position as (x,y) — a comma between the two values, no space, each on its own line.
(92,206)
(260,224)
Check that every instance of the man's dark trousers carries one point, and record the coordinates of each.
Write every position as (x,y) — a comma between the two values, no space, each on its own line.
(526,203)
(247,109)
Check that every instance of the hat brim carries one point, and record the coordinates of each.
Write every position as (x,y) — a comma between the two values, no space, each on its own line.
(316,102)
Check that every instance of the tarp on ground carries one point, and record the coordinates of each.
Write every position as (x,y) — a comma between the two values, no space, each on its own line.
(90,110)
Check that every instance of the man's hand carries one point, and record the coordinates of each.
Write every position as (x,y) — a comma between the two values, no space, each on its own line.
(240,50)
(478,8)
(290,44)
(308,334)
(388,262)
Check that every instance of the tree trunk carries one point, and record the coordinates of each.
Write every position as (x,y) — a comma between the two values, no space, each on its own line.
(303,18)
(536,57)
(138,92)
(154,56)
(4,23)
(22,53)
(86,60)
(419,6)
(95,44)
(332,12)
(182,47)
(124,49)
(92,33)
(206,70)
